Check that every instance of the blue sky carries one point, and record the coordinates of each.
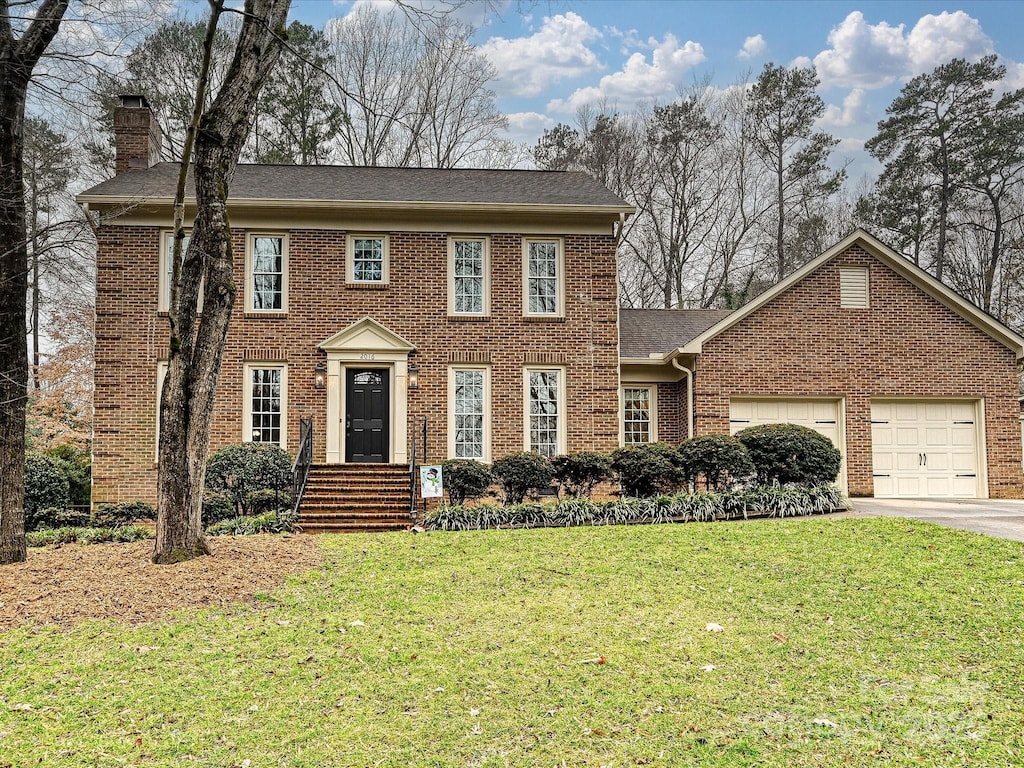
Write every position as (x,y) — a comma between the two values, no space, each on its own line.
(555,56)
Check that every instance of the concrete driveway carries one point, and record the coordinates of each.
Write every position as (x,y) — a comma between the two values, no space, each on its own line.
(1003,519)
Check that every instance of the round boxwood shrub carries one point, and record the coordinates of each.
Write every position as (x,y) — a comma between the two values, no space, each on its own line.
(465,479)
(720,460)
(46,488)
(578,473)
(125,513)
(242,469)
(789,453)
(520,474)
(647,469)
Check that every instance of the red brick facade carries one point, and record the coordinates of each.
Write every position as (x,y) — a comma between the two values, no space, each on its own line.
(132,338)
(907,344)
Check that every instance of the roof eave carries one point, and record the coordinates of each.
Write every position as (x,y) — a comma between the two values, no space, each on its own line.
(375,205)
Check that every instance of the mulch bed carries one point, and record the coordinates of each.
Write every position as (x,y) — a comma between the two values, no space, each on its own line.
(77,582)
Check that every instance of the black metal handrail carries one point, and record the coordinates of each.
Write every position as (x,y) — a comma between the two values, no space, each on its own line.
(303,459)
(412,466)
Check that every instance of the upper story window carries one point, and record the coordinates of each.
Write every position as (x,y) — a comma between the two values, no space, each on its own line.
(167,269)
(368,259)
(543,279)
(469,270)
(267,273)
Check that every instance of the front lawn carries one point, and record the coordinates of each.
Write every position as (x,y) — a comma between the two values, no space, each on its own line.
(803,642)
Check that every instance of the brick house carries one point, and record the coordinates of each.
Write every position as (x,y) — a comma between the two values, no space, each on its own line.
(485,302)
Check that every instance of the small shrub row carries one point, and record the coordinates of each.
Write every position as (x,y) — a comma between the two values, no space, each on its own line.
(83,535)
(281,521)
(246,480)
(699,506)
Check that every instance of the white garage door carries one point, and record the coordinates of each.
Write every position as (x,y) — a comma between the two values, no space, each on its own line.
(926,448)
(820,415)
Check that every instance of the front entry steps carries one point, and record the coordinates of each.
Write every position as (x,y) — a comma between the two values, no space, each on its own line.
(352,498)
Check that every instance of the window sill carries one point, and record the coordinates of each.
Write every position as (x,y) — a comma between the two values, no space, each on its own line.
(257,314)
(469,318)
(543,318)
(367,286)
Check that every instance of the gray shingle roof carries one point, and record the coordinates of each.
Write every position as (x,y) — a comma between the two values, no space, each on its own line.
(385,185)
(643,331)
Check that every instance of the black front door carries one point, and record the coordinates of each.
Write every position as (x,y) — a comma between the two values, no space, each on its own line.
(366,419)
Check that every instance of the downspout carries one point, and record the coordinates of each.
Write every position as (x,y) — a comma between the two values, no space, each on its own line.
(689,395)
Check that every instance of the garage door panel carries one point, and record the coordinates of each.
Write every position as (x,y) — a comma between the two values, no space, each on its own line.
(934,452)
(820,415)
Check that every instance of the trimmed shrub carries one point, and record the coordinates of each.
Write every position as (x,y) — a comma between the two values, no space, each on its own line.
(578,473)
(218,506)
(46,487)
(789,453)
(520,474)
(263,500)
(648,469)
(465,479)
(125,513)
(721,460)
(76,465)
(242,469)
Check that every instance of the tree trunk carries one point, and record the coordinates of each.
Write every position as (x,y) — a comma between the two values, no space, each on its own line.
(17,60)
(186,407)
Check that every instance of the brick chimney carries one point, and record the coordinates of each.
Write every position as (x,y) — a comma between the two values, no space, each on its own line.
(137,135)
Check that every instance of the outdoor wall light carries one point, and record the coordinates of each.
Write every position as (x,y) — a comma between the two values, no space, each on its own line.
(414,376)
(320,376)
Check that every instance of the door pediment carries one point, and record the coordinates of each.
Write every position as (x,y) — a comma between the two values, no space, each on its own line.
(366,335)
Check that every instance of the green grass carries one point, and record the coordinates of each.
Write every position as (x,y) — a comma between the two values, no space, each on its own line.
(474,647)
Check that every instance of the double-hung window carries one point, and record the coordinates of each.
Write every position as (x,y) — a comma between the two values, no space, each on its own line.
(469,270)
(638,415)
(266,388)
(543,278)
(368,259)
(545,411)
(469,413)
(267,273)
(167,269)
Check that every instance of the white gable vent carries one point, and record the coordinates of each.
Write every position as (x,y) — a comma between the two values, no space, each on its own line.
(853,287)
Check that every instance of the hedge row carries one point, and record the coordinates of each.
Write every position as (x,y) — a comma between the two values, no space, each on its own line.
(772,454)
(700,506)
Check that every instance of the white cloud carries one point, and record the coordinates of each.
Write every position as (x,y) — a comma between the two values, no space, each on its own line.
(801,62)
(934,40)
(629,38)
(527,126)
(754,47)
(853,111)
(639,79)
(863,55)
(557,51)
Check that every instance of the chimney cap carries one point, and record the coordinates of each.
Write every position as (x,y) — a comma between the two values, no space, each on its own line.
(133,101)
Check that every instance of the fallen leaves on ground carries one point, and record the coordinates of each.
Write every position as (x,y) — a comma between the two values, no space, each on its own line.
(79,582)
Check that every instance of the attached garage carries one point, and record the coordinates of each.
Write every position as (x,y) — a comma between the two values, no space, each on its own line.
(824,416)
(926,448)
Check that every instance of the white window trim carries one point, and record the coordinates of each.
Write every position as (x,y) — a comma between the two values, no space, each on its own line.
(161,376)
(247,399)
(350,260)
(562,404)
(559,282)
(250,287)
(652,401)
(486,369)
(486,241)
(163,300)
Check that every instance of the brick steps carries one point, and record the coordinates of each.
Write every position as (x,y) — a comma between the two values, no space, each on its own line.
(349,498)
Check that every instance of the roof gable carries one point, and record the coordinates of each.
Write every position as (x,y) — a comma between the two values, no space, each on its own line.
(907,269)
